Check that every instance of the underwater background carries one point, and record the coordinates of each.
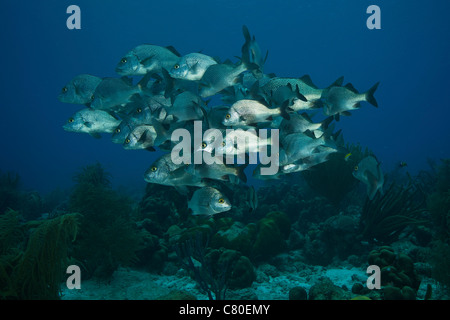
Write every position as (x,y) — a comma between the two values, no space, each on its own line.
(69,199)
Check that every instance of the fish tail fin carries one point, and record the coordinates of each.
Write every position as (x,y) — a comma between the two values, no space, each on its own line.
(370,95)
(285,109)
(247,59)
(326,123)
(333,140)
(170,83)
(317,104)
(143,83)
(246,33)
(372,186)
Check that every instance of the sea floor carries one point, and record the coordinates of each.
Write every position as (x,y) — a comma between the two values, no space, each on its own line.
(270,284)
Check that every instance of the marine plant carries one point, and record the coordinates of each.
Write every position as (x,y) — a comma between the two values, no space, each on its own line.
(385,216)
(41,268)
(108,236)
(193,256)
(163,205)
(272,231)
(440,262)
(439,201)
(33,267)
(439,205)
(333,179)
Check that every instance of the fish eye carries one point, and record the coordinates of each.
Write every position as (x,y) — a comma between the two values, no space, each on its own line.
(64,90)
(127,141)
(355,168)
(92,98)
(117,130)
(138,110)
(228,116)
(204,145)
(71,120)
(176,66)
(221,201)
(223,144)
(153,168)
(124,60)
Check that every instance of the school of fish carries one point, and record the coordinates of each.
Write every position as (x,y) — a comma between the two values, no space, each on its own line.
(174,91)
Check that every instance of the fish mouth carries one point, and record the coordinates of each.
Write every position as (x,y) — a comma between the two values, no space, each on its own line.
(68,128)
(61,98)
(122,71)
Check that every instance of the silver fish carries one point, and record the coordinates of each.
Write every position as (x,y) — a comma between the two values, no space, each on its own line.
(141,137)
(218,171)
(121,132)
(92,122)
(113,94)
(191,66)
(299,94)
(186,106)
(248,112)
(251,53)
(147,58)
(300,145)
(208,201)
(80,89)
(220,76)
(369,172)
(304,85)
(339,100)
(227,146)
(166,172)
(308,162)
(299,123)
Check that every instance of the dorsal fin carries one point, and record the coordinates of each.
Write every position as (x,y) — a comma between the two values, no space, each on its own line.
(337,83)
(246,33)
(306,117)
(310,134)
(307,80)
(173,50)
(350,87)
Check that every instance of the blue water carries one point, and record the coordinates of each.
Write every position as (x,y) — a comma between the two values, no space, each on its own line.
(325,39)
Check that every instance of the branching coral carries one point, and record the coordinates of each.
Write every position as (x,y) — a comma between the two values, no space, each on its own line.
(384,217)
(94,175)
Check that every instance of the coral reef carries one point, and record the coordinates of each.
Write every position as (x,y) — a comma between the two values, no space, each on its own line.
(326,290)
(398,276)
(211,279)
(272,231)
(438,203)
(33,267)
(108,237)
(298,293)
